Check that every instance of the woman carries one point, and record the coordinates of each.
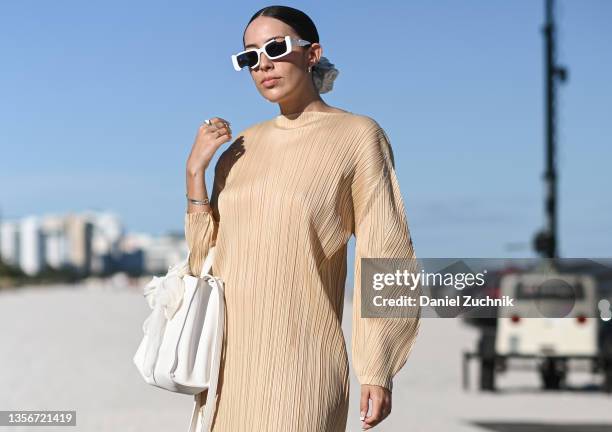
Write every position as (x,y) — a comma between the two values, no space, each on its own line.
(287,195)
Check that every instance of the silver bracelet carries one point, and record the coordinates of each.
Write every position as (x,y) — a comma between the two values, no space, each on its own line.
(197,202)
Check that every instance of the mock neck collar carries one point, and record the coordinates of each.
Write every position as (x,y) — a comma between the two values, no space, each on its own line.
(302,118)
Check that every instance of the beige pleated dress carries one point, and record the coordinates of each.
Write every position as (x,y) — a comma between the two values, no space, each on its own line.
(288,194)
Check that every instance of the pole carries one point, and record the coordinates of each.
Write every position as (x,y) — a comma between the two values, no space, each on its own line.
(546,240)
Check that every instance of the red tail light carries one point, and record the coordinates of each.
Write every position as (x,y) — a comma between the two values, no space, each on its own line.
(515,319)
(581,319)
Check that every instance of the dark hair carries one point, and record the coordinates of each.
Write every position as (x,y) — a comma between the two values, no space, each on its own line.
(298,20)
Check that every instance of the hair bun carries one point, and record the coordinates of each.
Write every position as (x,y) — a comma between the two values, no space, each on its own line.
(323,75)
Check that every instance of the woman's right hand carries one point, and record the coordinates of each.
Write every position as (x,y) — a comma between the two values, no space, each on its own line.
(208,139)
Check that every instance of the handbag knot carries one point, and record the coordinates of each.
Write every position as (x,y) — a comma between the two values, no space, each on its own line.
(166,293)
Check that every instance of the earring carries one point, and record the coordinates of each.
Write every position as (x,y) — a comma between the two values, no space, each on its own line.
(309,69)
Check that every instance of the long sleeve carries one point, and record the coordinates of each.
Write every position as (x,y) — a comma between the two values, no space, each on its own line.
(380,346)
(201,227)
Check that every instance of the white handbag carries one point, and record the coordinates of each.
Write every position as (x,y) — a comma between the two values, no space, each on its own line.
(183,336)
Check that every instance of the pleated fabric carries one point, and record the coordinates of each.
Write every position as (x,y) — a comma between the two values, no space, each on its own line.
(288,193)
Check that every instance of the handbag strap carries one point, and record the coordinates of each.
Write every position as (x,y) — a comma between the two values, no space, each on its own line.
(208,262)
(211,396)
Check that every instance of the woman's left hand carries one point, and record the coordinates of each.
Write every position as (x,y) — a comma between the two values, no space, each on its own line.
(381,405)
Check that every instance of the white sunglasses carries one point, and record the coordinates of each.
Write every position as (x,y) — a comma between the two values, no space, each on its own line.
(273,49)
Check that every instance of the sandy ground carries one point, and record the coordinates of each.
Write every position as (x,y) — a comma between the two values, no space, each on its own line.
(71,348)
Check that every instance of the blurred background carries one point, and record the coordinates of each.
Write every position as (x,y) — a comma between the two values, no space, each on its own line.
(500,121)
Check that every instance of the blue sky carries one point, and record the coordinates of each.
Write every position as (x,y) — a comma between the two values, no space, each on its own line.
(101,101)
